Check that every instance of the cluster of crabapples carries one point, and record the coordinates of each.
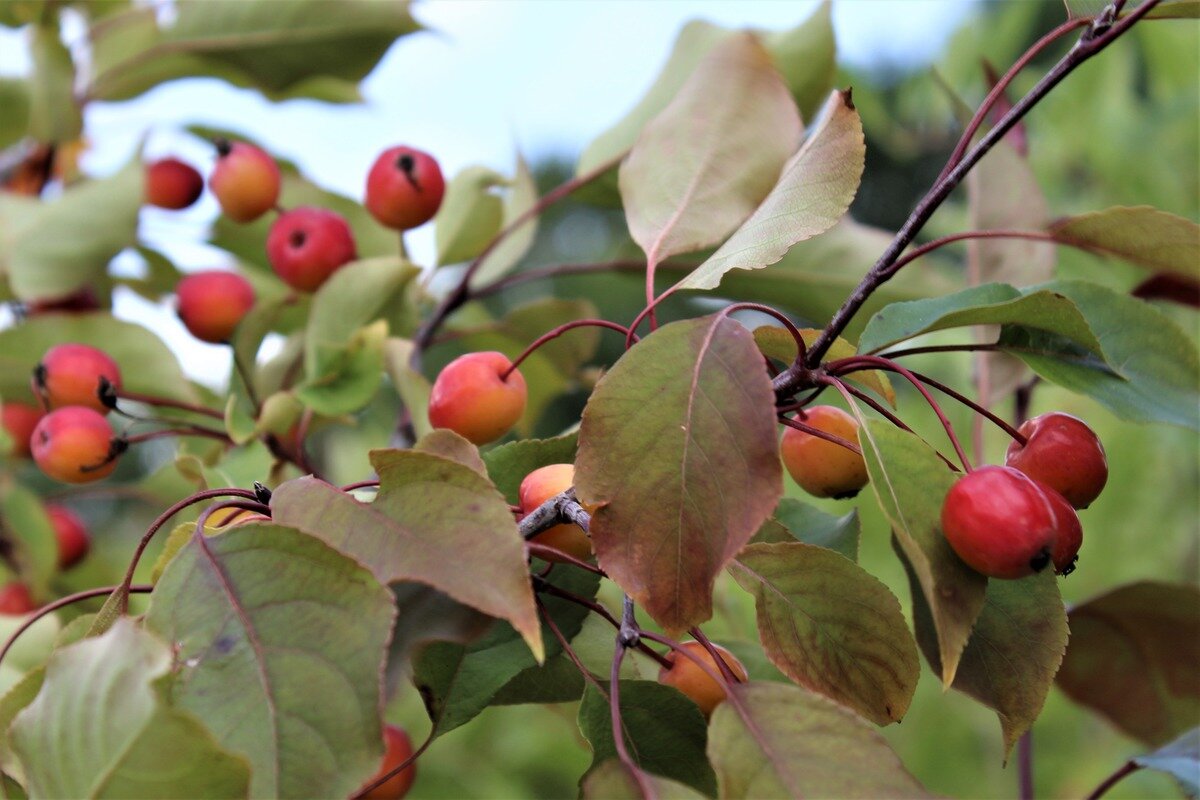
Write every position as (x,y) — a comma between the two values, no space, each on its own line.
(305,245)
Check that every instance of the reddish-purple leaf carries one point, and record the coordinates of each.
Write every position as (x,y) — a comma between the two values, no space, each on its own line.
(678,450)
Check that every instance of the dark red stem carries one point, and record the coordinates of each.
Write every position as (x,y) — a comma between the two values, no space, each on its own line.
(554,333)
(820,434)
(1128,768)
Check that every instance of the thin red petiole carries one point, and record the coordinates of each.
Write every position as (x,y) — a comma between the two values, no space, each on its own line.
(166,402)
(554,333)
(405,764)
(820,434)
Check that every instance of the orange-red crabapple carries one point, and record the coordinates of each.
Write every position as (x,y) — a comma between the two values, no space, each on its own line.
(397,749)
(1062,452)
(1069,532)
(688,677)
(538,487)
(404,188)
(19,420)
(213,302)
(306,245)
(823,468)
(245,181)
(71,535)
(172,184)
(75,445)
(70,375)
(469,397)
(16,599)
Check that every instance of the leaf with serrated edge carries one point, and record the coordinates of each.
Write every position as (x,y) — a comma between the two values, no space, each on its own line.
(1132,659)
(265,620)
(1015,648)
(434,521)
(811,525)
(702,166)
(778,344)
(910,482)
(448,444)
(98,728)
(831,626)
(813,192)
(612,780)
(1141,235)
(664,731)
(776,740)
(678,452)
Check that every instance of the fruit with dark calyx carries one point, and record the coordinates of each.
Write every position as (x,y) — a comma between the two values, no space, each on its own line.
(397,749)
(688,677)
(245,181)
(538,487)
(1064,453)
(306,245)
(19,420)
(404,188)
(821,467)
(212,303)
(71,535)
(172,184)
(1000,522)
(72,375)
(469,397)
(75,445)
(1069,536)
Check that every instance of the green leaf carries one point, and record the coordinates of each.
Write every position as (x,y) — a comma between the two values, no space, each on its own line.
(1043,308)
(15,100)
(470,215)
(426,615)
(1132,659)
(522,197)
(910,482)
(556,681)
(16,698)
(702,166)
(99,728)
(1175,9)
(101,216)
(806,56)
(348,377)
(1153,368)
(776,740)
(1141,235)
(31,650)
(1004,194)
(1015,648)
(434,521)
(664,731)
(54,116)
(778,344)
(509,463)
(29,534)
(413,387)
(147,365)
(265,620)
(831,626)
(813,192)
(457,682)
(612,780)
(284,51)
(678,452)
(811,525)
(448,444)
(1180,759)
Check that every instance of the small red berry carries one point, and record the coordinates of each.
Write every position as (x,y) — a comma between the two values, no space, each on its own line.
(1062,452)
(469,398)
(821,467)
(245,181)
(397,749)
(404,188)
(16,599)
(71,534)
(75,445)
(19,420)
(306,245)
(1000,522)
(172,184)
(70,375)
(212,303)
(1069,537)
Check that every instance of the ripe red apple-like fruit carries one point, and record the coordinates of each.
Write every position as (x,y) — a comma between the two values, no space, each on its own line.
(538,487)
(15,599)
(1000,522)
(687,676)
(823,468)
(1069,536)
(404,188)
(71,534)
(306,245)
(212,303)
(75,445)
(19,420)
(397,749)
(69,375)
(245,181)
(470,399)
(1063,453)
(172,184)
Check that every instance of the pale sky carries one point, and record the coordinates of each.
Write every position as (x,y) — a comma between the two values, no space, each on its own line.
(546,76)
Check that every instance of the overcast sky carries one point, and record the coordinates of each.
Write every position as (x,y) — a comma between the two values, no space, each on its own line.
(541,75)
